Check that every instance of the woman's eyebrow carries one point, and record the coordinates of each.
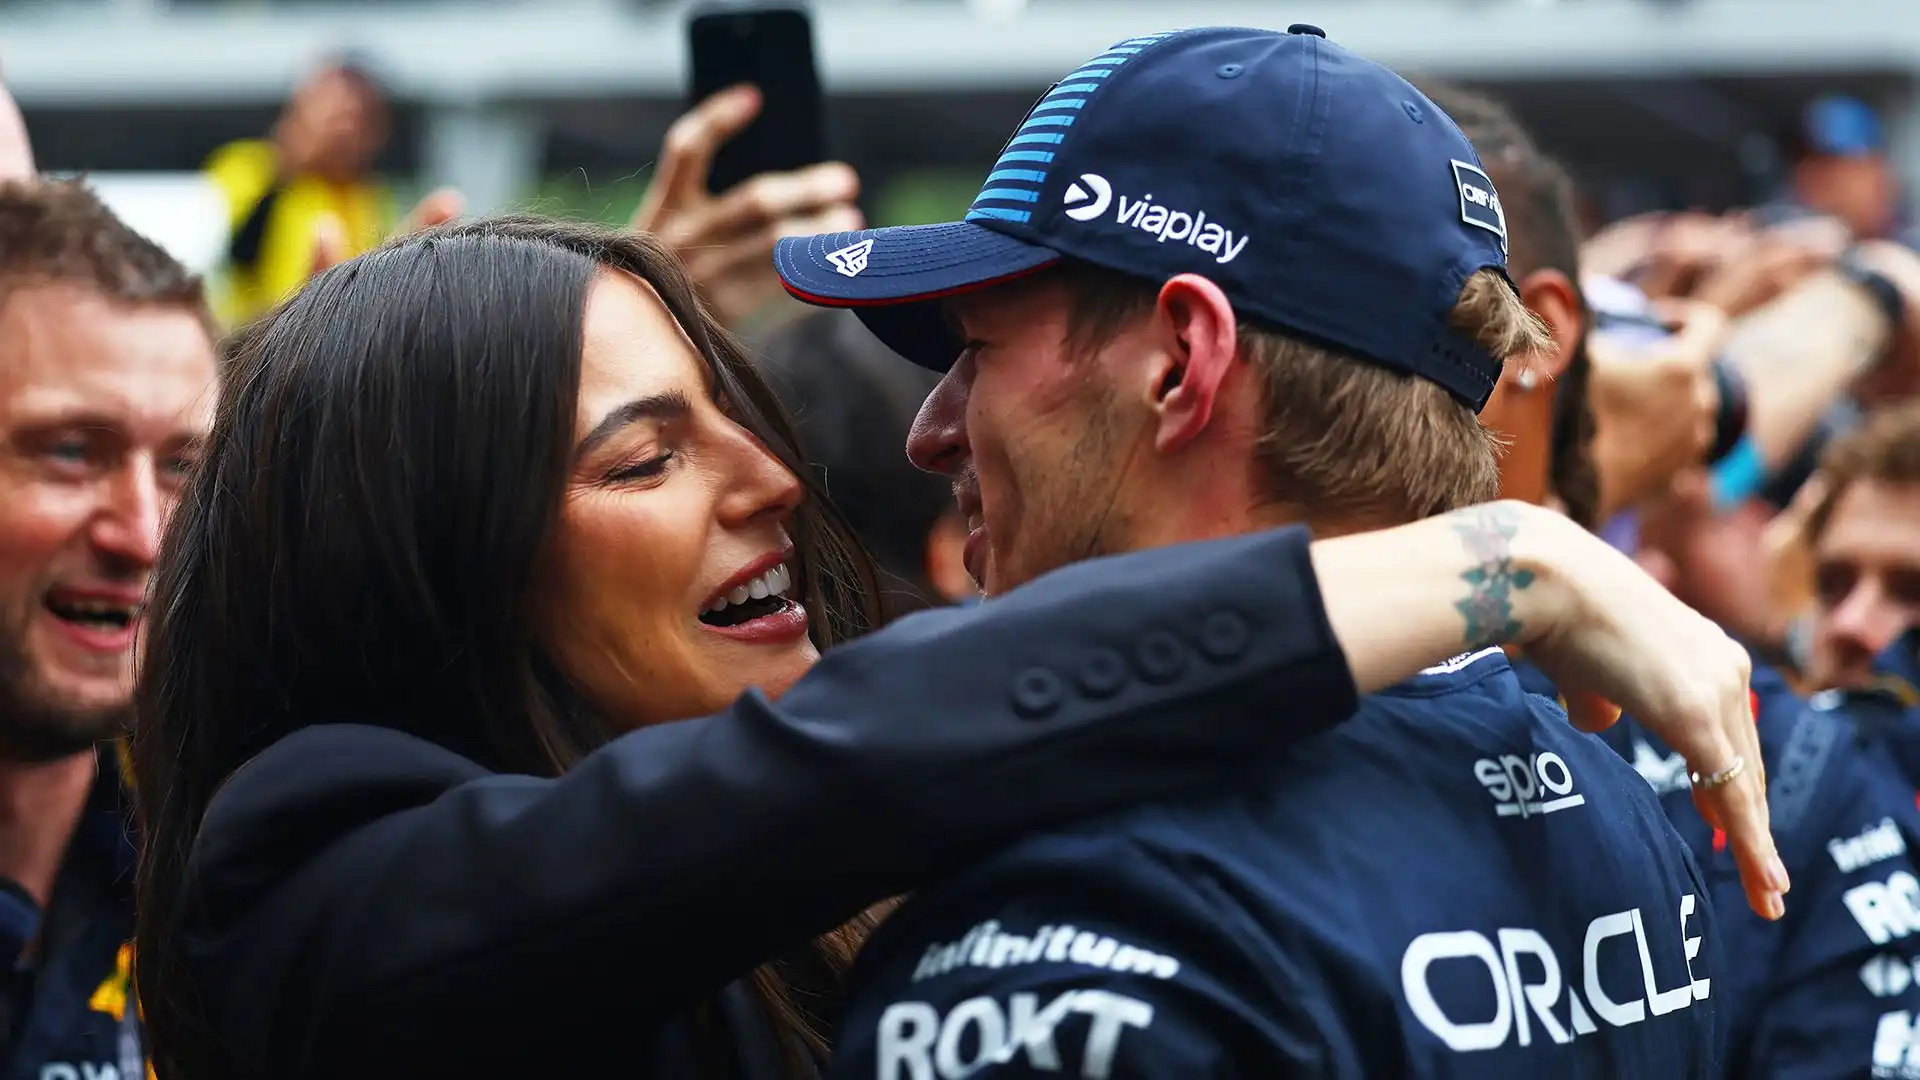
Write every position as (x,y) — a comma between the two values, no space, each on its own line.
(671,405)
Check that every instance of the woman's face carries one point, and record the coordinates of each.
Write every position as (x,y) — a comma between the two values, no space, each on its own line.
(662,595)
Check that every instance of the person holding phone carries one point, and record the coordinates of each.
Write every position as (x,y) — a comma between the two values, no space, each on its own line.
(717,204)
(747,163)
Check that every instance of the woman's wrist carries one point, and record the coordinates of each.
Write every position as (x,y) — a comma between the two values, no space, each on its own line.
(1405,598)
(1516,588)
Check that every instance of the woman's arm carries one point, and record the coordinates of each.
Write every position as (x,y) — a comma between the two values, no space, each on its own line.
(1608,635)
(678,856)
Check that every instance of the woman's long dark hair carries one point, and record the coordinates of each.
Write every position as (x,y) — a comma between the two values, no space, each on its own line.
(386,467)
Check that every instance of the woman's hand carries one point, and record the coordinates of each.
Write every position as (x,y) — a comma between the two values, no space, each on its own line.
(1622,638)
(1511,574)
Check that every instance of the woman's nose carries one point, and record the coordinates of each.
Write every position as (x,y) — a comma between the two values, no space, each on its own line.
(761,485)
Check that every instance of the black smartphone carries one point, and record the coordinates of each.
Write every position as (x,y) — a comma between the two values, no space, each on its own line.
(770,46)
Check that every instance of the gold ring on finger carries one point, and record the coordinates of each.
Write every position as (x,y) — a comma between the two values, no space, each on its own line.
(1724,776)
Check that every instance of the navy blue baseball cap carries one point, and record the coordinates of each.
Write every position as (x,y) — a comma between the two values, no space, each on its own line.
(1324,194)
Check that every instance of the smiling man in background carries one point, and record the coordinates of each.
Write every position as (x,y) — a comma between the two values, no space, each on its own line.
(106,389)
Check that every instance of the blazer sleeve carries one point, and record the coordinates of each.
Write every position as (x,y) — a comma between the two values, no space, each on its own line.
(403,898)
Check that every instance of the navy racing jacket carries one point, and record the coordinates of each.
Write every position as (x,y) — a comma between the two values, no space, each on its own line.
(1829,992)
(1453,883)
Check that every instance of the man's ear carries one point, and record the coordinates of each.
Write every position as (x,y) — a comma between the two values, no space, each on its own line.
(1198,338)
(1551,296)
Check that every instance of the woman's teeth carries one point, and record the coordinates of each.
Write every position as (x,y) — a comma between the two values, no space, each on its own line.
(775,582)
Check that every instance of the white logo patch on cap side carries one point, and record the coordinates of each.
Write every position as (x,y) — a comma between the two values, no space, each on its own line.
(852,259)
(1088,197)
(1479,203)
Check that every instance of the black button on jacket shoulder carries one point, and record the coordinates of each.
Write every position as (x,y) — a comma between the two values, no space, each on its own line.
(362,903)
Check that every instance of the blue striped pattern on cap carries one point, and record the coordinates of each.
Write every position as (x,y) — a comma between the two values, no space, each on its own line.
(1014,184)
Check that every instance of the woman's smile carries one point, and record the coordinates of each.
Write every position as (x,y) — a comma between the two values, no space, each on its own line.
(756,605)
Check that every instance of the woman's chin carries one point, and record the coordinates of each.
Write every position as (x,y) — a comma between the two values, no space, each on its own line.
(805,656)
(773,675)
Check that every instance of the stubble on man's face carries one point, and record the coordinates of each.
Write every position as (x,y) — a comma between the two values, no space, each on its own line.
(37,722)
(1063,475)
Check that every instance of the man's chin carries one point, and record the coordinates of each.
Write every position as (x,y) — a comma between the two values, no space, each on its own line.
(55,700)
(990,581)
(39,737)
(94,685)
(51,715)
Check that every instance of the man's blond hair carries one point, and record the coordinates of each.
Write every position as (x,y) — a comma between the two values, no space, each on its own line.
(1343,438)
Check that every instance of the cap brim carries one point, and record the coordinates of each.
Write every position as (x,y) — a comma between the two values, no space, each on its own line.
(890,276)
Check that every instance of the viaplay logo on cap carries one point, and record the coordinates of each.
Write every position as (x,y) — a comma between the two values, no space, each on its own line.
(1087,198)
(1084,203)
(1479,203)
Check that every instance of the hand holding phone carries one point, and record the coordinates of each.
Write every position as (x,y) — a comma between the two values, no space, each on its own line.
(726,240)
(768,47)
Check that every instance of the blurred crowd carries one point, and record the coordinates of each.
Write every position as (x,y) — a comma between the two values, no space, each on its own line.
(1732,399)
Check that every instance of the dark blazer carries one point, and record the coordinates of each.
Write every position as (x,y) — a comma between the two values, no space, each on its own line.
(364,904)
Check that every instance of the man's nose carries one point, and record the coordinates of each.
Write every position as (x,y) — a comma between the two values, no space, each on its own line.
(938,441)
(1867,619)
(127,526)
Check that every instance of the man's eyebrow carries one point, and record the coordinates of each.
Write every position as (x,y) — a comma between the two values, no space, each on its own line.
(75,419)
(672,405)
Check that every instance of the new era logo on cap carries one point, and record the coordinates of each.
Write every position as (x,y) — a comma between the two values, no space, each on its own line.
(852,259)
(1479,203)
(1088,197)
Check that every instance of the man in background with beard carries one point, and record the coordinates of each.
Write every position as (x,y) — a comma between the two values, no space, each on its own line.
(106,380)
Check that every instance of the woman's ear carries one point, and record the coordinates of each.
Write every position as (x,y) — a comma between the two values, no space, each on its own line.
(1199,338)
